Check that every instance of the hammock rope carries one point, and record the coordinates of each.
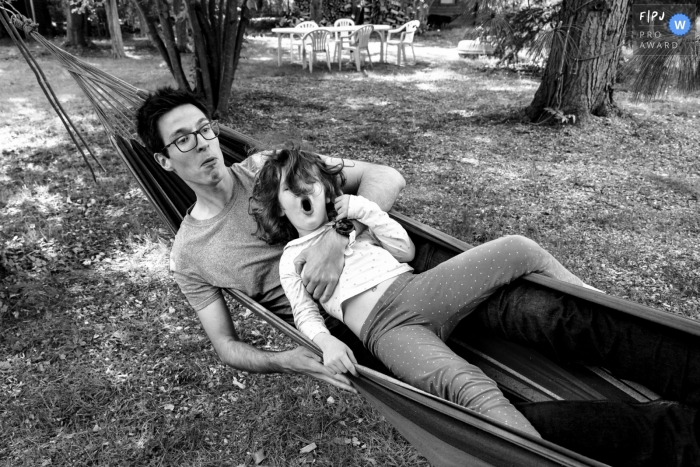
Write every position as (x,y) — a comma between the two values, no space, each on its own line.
(11,19)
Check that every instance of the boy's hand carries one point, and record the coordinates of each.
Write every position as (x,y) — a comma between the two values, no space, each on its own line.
(337,356)
(342,204)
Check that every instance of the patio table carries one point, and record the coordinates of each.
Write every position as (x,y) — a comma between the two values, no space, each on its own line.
(380,29)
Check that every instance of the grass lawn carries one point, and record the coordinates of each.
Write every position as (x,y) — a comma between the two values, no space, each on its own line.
(102,362)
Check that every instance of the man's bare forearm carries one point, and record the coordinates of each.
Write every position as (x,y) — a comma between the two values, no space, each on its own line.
(300,360)
(382,185)
(245,357)
(216,320)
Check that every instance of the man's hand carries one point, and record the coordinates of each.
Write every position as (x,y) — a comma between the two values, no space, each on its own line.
(320,266)
(302,360)
(336,355)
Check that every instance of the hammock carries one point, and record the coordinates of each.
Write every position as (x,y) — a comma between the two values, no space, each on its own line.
(445,433)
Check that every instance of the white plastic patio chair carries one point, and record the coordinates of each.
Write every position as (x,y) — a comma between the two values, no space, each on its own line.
(358,41)
(341,36)
(319,39)
(407,31)
(297,38)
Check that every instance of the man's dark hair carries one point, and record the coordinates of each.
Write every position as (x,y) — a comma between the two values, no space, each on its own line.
(302,170)
(156,105)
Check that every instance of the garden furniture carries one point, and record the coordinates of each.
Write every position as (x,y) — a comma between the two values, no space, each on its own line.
(341,36)
(296,39)
(407,31)
(380,29)
(358,41)
(319,40)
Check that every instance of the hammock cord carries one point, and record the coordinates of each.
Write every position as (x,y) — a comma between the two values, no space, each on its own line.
(11,18)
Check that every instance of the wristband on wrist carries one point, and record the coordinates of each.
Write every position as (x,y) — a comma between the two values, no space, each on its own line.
(346,228)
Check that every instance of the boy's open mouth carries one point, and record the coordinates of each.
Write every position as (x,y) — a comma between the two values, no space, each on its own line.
(306,206)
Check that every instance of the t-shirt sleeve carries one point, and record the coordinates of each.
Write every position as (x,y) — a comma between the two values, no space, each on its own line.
(199,293)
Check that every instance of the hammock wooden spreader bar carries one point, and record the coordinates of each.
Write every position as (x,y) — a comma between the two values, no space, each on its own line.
(446,434)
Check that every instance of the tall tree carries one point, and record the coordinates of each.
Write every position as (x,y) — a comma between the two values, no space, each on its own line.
(584,55)
(316,10)
(181,36)
(581,41)
(76,17)
(149,21)
(38,10)
(115,30)
(218,27)
(167,35)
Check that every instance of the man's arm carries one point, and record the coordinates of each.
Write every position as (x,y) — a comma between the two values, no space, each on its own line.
(216,320)
(377,183)
(321,266)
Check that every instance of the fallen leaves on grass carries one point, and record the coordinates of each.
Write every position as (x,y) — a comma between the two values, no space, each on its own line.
(237,383)
(308,448)
(259,456)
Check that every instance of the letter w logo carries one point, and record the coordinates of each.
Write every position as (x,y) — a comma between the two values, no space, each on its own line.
(680,25)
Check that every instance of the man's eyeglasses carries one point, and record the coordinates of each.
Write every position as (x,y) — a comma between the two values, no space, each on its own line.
(188,142)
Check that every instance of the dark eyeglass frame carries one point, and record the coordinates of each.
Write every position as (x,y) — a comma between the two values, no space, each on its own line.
(214,127)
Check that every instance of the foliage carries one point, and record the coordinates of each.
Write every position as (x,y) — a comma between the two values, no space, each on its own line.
(650,76)
(527,25)
(393,12)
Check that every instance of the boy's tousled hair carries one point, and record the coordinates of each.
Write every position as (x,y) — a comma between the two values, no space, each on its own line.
(155,106)
(303,169)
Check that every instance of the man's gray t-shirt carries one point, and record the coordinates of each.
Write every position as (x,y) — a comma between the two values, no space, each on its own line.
(223,252)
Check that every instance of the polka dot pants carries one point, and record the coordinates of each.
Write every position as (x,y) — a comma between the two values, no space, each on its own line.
(407,328)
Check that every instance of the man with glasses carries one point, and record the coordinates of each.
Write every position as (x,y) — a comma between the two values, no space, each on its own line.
(215,247)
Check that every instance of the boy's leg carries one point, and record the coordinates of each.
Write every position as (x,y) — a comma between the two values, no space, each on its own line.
(573,330)
(415,355)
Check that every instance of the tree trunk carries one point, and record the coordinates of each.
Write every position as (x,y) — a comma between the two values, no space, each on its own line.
(115,31)
(233,40)
(181,25)
(210,38)
(149,23)
(75,35)
(168,38)
(581,68)
(39,12)
(316,10)
(203,73)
